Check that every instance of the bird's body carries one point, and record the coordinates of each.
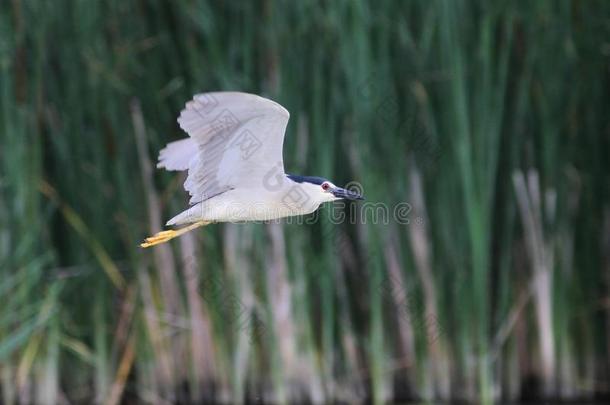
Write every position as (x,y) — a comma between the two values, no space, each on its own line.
(235,166)
(242,205)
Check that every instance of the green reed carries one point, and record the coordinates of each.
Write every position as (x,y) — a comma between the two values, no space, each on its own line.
(487,119)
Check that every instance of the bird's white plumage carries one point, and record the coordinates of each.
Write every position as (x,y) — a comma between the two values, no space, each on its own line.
(235,140)
(177,155)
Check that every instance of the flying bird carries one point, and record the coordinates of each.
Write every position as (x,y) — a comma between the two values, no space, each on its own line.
(233,156)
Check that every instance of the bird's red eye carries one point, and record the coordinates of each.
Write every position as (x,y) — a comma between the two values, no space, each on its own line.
(325,186)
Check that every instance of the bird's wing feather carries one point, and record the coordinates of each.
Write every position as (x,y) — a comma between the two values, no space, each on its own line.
(177,155)
(238,140)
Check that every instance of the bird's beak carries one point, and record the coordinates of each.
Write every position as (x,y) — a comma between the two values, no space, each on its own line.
(347,194)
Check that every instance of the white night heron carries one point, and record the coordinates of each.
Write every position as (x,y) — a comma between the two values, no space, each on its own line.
(234,160)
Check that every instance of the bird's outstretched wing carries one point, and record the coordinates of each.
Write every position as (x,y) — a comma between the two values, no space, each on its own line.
(236,140)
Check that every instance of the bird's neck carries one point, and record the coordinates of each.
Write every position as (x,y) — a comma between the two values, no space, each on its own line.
(303,197)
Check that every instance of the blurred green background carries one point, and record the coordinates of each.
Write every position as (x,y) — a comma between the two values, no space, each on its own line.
(486,122)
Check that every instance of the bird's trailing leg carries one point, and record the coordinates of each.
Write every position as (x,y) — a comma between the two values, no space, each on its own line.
(164,236)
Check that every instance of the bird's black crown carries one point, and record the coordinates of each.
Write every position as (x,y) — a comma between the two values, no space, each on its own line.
(306,179)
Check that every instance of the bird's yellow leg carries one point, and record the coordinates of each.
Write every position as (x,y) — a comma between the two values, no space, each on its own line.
(164,236)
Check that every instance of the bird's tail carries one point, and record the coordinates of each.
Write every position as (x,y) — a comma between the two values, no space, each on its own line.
(164,236)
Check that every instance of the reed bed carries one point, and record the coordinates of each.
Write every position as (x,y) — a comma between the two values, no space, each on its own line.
(482,128)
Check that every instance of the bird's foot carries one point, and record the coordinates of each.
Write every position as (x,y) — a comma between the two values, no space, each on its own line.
(164,236)
(158,238)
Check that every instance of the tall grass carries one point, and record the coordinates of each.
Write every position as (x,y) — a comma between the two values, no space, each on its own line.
(488,121)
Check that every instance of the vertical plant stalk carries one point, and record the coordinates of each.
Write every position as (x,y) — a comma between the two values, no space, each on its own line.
(162,357)
(351,388)
(9,392)
(48,385)
(406,342)
(541,262)
(164,257)
(163,254)
(201,358)
(419,238)
(606,267)
(244,329)
(122,373)
(280,300)
(123,339)
(476,208)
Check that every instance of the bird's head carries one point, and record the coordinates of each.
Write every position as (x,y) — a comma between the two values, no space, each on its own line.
(322,190)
